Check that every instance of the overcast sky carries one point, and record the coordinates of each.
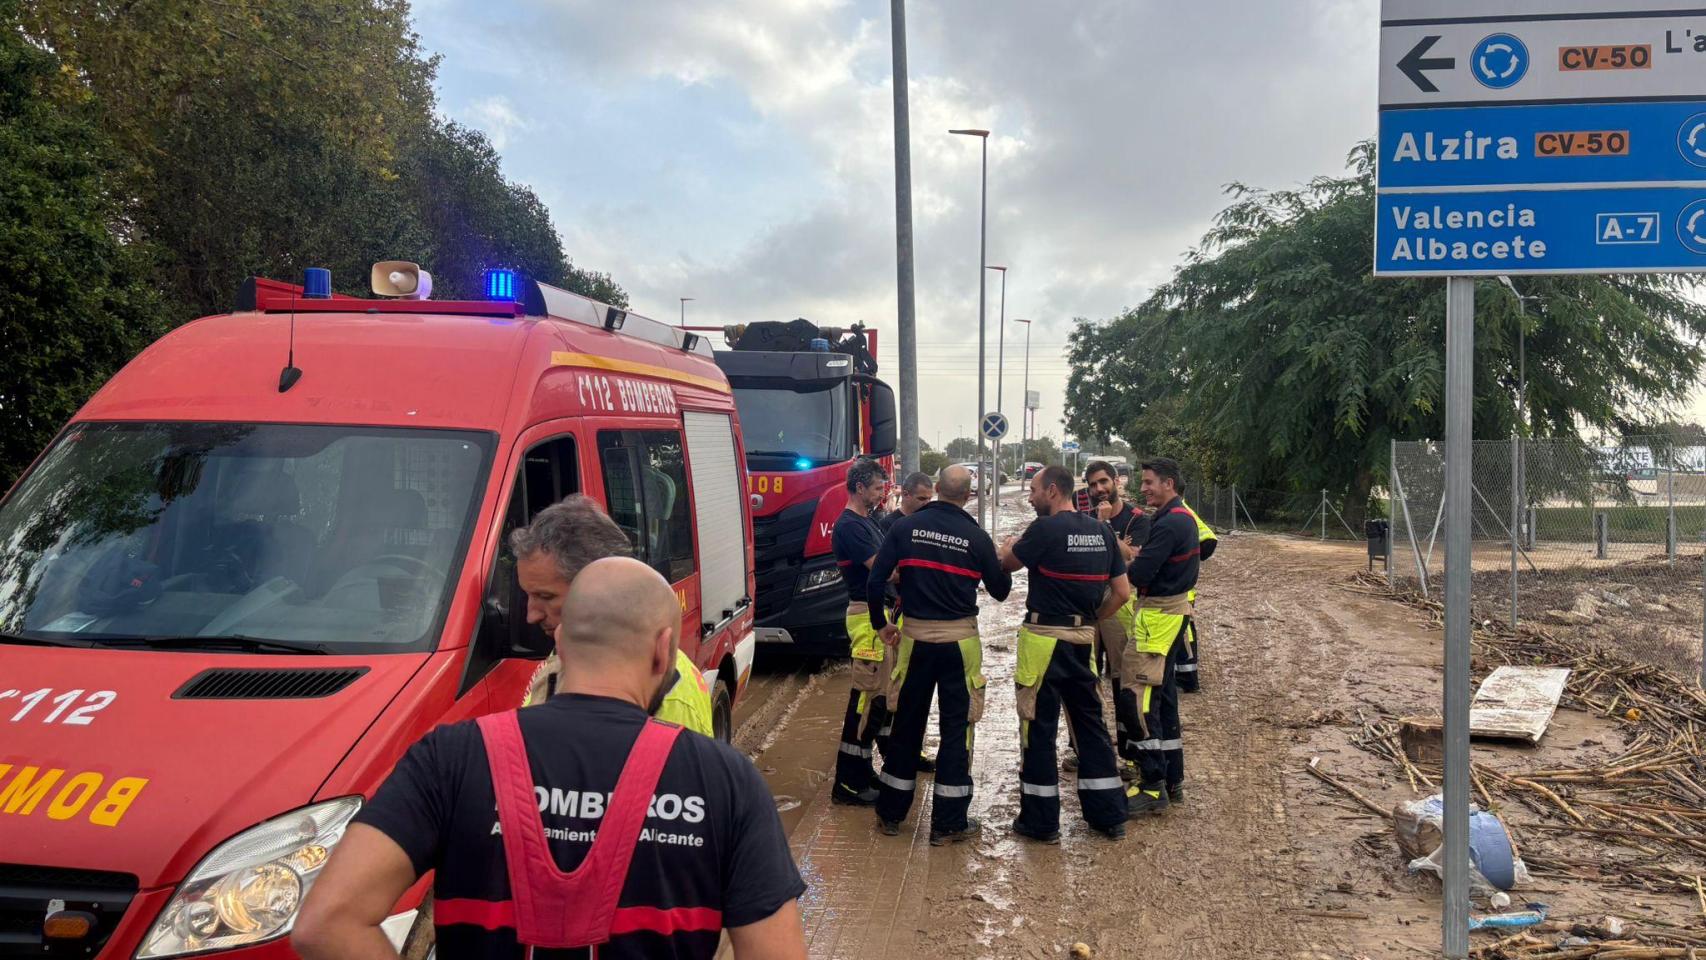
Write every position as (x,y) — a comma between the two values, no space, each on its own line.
(741,151)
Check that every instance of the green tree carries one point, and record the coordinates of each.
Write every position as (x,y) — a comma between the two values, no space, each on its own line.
(1274,359)
(962,448)
(78,300)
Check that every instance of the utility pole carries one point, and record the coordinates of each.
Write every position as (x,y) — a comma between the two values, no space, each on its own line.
(1025,402)
(909,447)
(983,513)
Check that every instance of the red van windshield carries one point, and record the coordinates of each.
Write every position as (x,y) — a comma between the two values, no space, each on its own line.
(337,538)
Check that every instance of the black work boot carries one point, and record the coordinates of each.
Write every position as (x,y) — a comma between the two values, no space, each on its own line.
(973,827)
(864,798)
(888,828)
(1040,837)
(1141,801)
(1114,832)
(926,763)
(1175,793)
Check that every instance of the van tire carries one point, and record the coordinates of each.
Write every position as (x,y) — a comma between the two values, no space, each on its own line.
(722,711)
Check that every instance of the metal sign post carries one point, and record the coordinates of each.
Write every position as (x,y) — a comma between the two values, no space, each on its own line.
(1459,396)
(1525,137)
(992,427)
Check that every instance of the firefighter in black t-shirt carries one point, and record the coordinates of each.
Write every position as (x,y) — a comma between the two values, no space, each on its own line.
(1162,577)
(615,835)
(941,554)
(1073,561)
(855,541)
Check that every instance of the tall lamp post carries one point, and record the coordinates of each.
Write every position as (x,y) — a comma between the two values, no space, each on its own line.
(1025,399)
(982,254)
(1000,376)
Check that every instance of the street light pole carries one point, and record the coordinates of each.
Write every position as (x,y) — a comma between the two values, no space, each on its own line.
(1025,400)
(1000,378)
(684,309)
(982,259)
(908,341)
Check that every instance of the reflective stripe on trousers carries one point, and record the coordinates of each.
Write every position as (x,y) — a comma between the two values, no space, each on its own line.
(896,782)
(854,750)
(1101,783)
(1039,790)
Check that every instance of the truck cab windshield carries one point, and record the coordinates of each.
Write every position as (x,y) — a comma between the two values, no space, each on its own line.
(227,536)
(796,428)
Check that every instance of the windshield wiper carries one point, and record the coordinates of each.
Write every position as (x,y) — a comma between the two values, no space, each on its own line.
(226,642)
(19,638)
(773,453)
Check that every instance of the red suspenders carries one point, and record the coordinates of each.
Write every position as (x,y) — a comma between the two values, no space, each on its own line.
(577,909)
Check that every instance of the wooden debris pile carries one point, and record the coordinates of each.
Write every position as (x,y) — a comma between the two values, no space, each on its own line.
(1637,820)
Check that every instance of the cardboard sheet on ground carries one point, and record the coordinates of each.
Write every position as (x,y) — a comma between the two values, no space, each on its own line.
(1517,703)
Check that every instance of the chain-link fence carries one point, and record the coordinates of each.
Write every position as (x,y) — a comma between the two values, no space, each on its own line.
(1231,507)
(1608,538)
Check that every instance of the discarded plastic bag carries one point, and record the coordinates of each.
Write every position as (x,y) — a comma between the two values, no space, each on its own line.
(1494,863)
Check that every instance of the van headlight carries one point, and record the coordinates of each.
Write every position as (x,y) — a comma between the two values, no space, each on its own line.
(250,887)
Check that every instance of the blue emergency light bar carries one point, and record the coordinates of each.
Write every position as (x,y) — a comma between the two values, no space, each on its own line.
(503,285)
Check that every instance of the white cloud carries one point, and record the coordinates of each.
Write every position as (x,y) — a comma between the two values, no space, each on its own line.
(1116,125)
(497,118)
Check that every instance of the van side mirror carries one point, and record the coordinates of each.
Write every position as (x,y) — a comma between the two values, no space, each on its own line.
(531,643)
(883,420)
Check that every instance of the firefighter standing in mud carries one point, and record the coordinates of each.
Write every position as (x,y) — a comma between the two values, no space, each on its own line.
(1162,577)
(1131,528)
(1189,676)
(1073,560)
(855,541)
(941,554)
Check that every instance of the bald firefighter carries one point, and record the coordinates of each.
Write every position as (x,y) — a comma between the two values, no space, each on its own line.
(941,555)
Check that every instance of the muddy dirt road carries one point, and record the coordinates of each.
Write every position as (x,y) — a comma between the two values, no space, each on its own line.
(1262,860)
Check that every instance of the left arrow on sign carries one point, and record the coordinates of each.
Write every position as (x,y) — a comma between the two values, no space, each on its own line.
(1416,63)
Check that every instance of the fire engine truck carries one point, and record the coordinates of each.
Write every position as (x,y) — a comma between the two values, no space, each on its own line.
(810,404)
(272,552)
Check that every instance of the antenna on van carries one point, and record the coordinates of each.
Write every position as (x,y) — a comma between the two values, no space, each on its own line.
(316,283)
(290,374)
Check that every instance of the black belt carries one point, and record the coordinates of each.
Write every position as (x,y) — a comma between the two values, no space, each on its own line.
(1058,620)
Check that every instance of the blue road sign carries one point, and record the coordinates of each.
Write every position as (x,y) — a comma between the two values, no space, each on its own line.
(1603,143)
(1517,138)
(1070,446)
(994,425)
(1542,231)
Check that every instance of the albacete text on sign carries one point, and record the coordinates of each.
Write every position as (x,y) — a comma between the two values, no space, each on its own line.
(1425,223)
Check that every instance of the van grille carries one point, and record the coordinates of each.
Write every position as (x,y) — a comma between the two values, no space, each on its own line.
(26,891)
(778,549)
(260,683)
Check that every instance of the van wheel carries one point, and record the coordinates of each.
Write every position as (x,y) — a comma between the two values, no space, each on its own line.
(722,711)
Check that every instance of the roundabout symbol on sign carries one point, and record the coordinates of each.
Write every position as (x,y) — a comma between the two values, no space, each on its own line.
(1691,227)
(1499,61)
(1691,140)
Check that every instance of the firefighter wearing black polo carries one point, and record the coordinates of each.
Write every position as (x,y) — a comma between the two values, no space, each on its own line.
(1162,577)
(855,541)
(1189,677)
(1131,528)
(1073,560)
(941,554)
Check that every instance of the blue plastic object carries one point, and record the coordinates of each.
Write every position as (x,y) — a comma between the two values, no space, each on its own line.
(1490,850)
(317,283)
(502,284)
(820,345)
(1535,913)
